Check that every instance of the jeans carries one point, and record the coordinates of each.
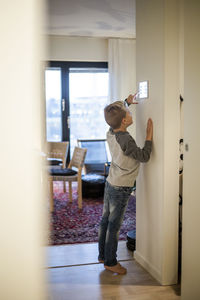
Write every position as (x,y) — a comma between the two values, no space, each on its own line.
(115,203)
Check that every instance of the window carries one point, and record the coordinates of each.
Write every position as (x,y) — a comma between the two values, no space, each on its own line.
(53,107)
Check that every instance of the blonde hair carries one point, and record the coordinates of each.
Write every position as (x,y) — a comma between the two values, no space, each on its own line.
(114,113)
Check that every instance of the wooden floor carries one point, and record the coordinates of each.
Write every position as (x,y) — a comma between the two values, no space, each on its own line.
(74,273)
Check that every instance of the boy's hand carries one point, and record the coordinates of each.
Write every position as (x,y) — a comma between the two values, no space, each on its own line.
(131,98)
(149,130)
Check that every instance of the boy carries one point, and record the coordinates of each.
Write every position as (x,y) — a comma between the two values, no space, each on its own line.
(126,158)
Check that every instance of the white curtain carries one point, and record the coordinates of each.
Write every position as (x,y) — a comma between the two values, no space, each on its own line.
(122,72)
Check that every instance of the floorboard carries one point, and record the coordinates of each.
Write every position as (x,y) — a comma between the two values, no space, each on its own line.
(78,254)
(74,273)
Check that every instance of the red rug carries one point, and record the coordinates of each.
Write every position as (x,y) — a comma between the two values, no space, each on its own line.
(69,225)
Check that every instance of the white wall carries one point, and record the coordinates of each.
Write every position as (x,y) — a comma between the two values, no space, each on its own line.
(22,218)
(157,59)
(63,48)
(191,204)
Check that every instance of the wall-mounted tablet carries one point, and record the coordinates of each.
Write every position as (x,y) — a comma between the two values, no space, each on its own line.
(143,90)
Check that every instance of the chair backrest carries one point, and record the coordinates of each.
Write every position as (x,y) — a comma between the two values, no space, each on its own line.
(58,150)
(78,158)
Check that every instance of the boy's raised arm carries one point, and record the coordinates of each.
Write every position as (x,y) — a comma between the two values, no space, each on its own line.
(130,148)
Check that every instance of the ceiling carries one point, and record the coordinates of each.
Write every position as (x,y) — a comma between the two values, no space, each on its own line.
(98,18)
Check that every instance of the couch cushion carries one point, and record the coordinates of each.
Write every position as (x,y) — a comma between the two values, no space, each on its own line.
(62,172)
(54,161)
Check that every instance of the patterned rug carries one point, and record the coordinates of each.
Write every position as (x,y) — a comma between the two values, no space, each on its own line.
(69,225)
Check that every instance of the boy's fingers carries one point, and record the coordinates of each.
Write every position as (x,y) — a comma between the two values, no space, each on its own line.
(134,96)
(150,122)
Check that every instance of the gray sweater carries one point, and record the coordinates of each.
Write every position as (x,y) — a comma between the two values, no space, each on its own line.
(126,158)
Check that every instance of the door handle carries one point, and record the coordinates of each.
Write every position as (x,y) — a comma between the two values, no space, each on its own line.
(68,122)
(63,104)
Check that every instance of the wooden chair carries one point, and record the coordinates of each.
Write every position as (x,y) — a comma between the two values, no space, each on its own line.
(57,153)
(70,175)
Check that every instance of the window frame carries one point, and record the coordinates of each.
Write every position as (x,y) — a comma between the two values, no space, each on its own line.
(65,66)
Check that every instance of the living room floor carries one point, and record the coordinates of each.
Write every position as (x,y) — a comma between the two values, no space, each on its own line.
(73,272)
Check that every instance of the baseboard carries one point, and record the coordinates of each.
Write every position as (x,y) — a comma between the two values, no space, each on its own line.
(148,266)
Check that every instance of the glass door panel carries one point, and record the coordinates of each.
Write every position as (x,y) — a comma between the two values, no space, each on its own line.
(53,105)
(88,95)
